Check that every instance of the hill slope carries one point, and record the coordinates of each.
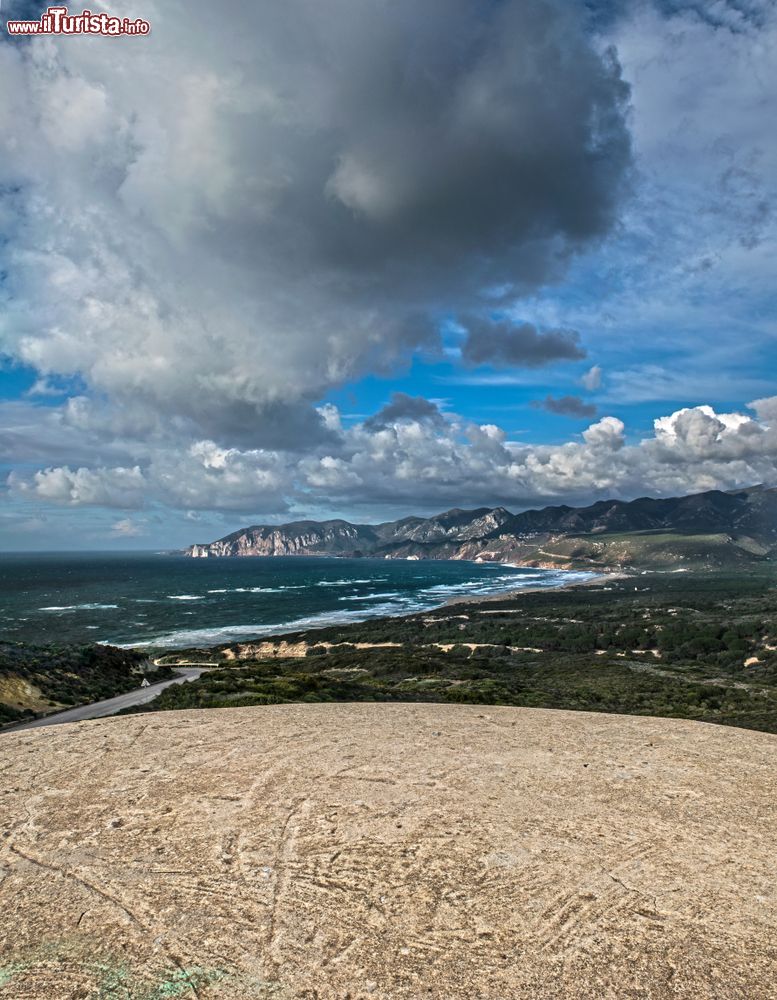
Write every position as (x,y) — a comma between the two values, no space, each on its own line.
(36,679)
(381,852)
(712,528)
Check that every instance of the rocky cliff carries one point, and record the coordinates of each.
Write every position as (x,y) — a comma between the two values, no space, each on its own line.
(298,538)
(711,528)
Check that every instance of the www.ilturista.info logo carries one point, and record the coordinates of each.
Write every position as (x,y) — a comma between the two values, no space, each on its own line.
(58,21)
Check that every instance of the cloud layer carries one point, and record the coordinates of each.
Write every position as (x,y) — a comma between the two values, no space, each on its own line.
(416,458)
(207,231)
(227,218)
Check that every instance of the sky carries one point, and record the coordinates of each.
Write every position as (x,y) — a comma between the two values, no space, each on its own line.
(361,259)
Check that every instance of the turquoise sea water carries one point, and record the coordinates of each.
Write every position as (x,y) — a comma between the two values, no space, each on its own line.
(169,601)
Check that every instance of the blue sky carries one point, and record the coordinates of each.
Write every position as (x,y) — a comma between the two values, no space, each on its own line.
(365,261)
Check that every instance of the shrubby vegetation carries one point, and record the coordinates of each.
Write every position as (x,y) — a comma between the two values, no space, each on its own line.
(695,647)
(64,675)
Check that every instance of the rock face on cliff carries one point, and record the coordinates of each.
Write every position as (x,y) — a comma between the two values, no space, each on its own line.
(300,538)
(713,528)
(388,852)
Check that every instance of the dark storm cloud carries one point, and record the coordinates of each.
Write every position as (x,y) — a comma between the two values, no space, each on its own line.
(283,196)
(506,344)
(288,426)
(567,406)
(471,134)
(404,407)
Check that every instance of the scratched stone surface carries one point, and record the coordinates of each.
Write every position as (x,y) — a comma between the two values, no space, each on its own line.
(388,851)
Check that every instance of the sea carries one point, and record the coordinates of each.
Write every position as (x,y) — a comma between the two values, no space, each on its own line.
(168,601)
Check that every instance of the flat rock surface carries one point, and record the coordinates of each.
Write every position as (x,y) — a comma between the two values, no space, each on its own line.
(388,851)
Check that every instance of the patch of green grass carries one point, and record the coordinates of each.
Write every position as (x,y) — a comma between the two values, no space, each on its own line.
(183,982)
(7,972)
(115,980)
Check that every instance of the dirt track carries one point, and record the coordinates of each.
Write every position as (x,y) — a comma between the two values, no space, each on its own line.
(357,851)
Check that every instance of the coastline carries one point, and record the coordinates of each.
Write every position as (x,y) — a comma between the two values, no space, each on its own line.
(161,605)
(280,637)
(513,594)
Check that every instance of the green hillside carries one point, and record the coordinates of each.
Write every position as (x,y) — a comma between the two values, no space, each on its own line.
(695,646)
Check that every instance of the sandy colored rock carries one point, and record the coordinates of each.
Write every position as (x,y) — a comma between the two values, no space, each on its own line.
(388,851)
(283,650)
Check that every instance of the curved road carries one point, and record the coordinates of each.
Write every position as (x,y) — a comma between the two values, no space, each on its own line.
(111,705)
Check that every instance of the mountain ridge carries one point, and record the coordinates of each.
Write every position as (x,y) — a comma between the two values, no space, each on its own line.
(713,527)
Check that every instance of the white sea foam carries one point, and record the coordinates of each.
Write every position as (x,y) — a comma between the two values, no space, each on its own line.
(370,597)
(227,633)
(385,604)
(81,607)
(185,597)
(257,590)
(478,588)
(456,588)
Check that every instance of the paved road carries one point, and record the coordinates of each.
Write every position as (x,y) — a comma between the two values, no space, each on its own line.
(111,705)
